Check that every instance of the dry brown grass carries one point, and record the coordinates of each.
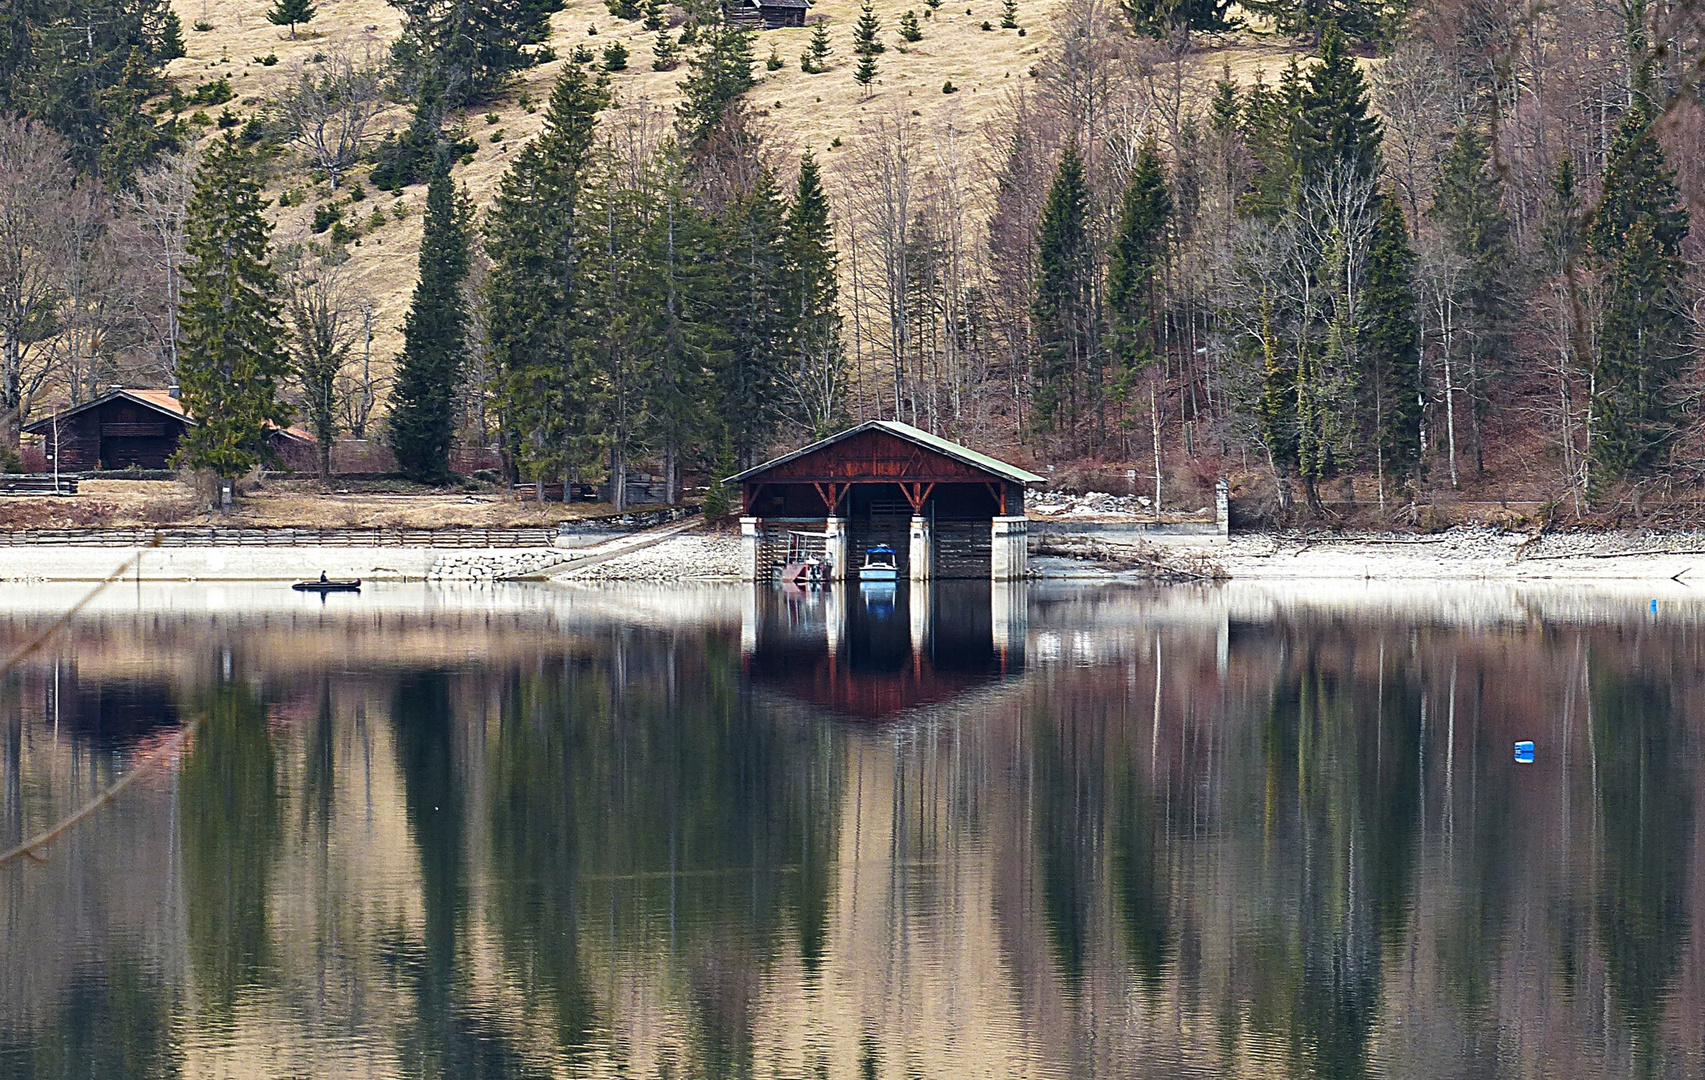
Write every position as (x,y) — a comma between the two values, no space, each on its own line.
(280,504)
(798,111)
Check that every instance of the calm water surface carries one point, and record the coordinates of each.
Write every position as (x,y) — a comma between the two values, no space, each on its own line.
(1096,832)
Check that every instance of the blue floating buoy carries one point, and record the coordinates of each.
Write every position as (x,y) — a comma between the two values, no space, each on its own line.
(1524,753)
(1654,606)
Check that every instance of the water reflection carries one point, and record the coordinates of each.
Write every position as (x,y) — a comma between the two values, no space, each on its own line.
(873,650)
(1103,833)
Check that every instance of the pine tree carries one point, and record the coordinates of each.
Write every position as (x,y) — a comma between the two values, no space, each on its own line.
(1636,239)
(84,68)
(1269,117)
(866,41)
(1368,21)
(1162,18)
(623,9)
(718,74)
(754,316)
(291,13)
(539,292)
(422,421)
(688,344)
(615,57)
(1390,342)
(819,374)
(815,57)
(1009,14)
(1468,207)
(653,15)
(1332,128)
(231,357)
(865,73)
(666,55)
(909,28)
(468,50)
(1138,254)
(1065,314)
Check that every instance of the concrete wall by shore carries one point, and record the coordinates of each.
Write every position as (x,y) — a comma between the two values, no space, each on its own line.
(40,562)
(1128,532)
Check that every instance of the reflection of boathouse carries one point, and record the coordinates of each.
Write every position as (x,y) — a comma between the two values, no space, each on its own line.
(948,511)
(873,651)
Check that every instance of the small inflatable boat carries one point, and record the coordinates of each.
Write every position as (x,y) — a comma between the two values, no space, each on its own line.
(325,585)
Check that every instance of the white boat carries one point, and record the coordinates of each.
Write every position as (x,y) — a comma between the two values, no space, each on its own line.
(879,565)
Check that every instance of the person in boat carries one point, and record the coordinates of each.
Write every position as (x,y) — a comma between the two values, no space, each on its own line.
(322,577)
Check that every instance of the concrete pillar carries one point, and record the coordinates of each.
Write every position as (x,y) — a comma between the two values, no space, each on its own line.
(751,546)
(1222,506)
(1009,554)
(835,547)
(921,551)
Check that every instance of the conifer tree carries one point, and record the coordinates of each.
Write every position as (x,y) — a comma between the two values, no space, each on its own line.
(717,75)
(819,374)
(1009,14)
(865,72)
(615,56)
(1066,314)
(291,13)
(754,316)
(665,53)
(1162,18)
(1332,126)
(231,355)
(866,41)
(1269,116)
(1636,240)
(1138,253)
(467,50)
(539,292)
(1368,21)
(687,343)
(909,28)
(1468,207)
(422,421)
(815,57)
(1390,342)
(653,15)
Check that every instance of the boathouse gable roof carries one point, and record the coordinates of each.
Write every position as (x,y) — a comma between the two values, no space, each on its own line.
(964,456)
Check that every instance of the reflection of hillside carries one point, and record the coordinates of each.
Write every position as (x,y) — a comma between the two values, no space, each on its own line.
(1183,839)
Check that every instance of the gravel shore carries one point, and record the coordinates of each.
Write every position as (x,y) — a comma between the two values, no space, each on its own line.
(1466,553)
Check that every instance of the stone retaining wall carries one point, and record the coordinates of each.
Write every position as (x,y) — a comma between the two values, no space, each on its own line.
(45,563)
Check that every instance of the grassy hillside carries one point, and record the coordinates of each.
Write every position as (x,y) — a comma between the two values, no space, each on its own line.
(799,111)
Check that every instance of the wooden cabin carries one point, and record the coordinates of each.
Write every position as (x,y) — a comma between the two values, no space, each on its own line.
(766,14)
(127,429)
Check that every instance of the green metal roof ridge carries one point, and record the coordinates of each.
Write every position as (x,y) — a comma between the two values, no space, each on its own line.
(910,434)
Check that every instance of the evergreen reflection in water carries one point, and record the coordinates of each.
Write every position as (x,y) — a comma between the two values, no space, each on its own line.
(1099,833)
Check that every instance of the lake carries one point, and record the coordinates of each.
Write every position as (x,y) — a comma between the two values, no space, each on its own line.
(1038,831)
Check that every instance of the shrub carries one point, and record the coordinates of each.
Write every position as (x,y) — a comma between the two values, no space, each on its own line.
(948,87)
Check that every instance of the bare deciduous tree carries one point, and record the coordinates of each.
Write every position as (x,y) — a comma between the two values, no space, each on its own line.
(35,201)
(330,106)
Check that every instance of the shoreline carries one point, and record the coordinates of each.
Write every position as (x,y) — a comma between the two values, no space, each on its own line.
(697,555)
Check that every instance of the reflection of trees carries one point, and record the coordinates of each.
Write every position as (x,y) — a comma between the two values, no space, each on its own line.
(114,1022)
(1142,876)
(448,1038)
(230,828)
(1068,814)
(1646,805)
(1338,802)
(638,793)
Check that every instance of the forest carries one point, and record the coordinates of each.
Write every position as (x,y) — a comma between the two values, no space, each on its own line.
(1441,253)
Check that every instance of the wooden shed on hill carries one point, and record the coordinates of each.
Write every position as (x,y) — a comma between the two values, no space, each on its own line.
(946,510)
(125,429)
(766,14)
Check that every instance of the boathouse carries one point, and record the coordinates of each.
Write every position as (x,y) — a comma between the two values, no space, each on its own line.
(946,510)
(124,429)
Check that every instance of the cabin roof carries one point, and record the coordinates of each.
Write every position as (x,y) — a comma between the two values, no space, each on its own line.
(160,401)
(910,434)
